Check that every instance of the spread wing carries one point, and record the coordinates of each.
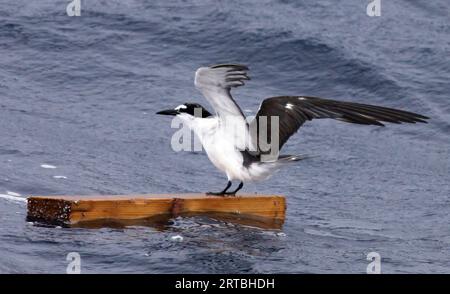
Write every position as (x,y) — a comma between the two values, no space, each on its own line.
(294,111)
(215,83)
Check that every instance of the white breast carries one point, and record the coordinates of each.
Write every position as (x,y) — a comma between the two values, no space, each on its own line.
(222,151)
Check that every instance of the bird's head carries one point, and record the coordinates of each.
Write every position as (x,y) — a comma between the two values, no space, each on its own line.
(187,109)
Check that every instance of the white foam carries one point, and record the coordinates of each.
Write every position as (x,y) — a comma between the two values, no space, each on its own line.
(59,177)
(13,193)
(177,238)
(47,166)
(13,198)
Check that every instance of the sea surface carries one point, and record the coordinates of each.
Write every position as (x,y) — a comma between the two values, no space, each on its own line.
(78,97)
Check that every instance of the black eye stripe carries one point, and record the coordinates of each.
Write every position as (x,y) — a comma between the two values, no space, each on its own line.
(195,109)
(190,109)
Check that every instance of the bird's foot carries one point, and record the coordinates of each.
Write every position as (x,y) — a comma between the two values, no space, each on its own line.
(216,193)
(224,192)
(221,194)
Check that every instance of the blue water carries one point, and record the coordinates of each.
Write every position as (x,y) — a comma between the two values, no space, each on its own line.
(80,93)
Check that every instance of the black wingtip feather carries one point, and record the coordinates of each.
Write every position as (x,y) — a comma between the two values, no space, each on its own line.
(293,111)
(232,66)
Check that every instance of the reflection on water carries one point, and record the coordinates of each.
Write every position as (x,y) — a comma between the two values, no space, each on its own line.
(164,222)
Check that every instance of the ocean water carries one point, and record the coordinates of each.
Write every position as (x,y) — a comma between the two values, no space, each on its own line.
(78,97)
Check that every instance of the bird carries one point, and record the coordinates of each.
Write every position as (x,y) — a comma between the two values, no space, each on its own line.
(248,149)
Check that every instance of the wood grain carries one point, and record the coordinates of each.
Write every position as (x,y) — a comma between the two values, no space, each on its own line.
(266,211)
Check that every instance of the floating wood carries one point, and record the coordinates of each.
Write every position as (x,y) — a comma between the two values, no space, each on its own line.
(267,211)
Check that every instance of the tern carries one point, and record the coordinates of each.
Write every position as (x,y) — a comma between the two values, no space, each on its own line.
(234,144)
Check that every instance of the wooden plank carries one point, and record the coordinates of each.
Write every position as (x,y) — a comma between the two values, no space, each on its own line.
(266,211)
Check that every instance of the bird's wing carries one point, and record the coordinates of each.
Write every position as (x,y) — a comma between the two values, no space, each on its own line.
(215,83)
(293,111)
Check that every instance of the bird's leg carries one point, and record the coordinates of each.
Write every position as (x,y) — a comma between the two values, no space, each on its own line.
(241,184)
(223,192)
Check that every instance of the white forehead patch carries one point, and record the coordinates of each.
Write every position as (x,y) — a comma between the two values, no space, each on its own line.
(182,106)
(289,106)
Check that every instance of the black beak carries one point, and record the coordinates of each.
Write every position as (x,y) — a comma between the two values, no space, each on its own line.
(168,112)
